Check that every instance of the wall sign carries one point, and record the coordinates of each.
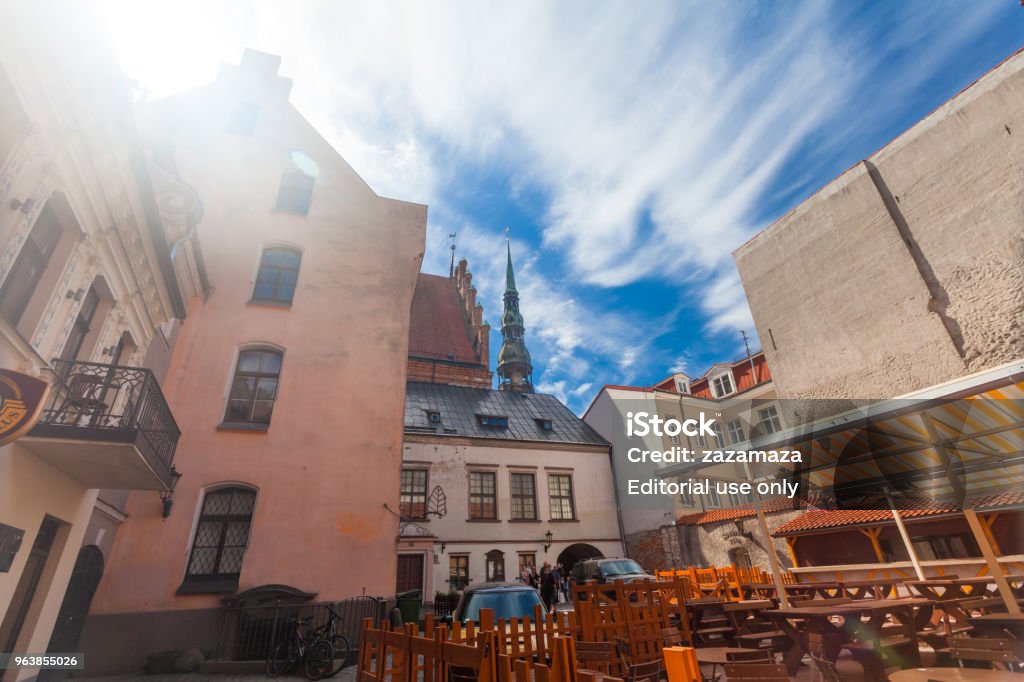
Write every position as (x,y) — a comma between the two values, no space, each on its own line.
(21,402)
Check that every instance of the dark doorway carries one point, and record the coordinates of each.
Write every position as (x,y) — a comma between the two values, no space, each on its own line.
(25,591)
(410,572)
(578,552)
(85,578)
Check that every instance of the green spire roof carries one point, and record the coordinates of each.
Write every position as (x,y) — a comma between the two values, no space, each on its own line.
(510,278)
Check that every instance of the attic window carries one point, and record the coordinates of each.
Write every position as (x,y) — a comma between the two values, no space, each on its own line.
(545,424)
(493,421)
(434,417)
(722,385)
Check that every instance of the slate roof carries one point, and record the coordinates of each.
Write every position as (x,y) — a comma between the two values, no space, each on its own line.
(437,324)
(459,407)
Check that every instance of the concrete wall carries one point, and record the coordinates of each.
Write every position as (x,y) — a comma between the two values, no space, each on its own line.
(449,462)
(908,269)
(329,461)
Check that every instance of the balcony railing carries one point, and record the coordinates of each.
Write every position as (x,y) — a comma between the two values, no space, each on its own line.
(94,402)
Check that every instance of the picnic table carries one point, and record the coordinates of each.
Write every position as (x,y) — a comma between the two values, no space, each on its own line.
(870,589)
(825,590)
(843,626)
(716,656)
(953,675)
(999,624)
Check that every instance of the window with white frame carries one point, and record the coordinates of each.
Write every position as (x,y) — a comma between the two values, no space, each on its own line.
(770,420)
(713,500)
(719,434)
(735,431)
(722,385)
(560,496)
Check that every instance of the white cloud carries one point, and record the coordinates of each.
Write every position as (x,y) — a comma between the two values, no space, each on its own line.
(655,132)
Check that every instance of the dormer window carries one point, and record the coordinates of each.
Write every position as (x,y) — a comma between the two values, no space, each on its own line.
(433,417)
(545,424)
(722,385)
(682,387)
(493,421)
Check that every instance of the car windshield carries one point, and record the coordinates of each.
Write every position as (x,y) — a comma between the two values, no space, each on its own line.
(506,603)
(621,567)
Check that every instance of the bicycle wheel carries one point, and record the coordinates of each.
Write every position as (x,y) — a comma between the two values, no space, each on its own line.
(319,659)
(281,659)
(341,652)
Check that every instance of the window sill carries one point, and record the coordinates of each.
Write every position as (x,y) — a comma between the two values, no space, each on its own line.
(483,520)
(269,303)
(243,426)
(218,586)
(524,520)
(563,520)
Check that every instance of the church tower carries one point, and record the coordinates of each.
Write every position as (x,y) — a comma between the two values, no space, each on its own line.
(514,366)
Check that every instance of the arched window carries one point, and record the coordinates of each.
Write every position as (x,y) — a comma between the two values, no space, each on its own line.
(495,566)
(254,387)
(222,535)
(279,270)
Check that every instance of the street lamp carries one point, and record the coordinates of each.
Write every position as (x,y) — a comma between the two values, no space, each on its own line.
(547,541)
(166,495)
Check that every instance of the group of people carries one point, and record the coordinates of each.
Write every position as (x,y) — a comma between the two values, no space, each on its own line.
(552,581)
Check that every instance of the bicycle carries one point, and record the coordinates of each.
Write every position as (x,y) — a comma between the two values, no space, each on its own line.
(300,645)
(339,643)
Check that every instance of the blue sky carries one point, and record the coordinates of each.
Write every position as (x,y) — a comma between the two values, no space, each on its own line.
(629,147)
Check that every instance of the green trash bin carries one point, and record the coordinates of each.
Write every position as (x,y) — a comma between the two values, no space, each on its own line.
(409,604)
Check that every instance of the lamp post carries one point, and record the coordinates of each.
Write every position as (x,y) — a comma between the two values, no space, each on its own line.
(548,537)
(167,495)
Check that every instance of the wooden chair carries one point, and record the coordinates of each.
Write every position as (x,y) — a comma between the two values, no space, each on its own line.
(463,662)
(999,653)
(673,637)
(599,656)
(647,671)
(756,672)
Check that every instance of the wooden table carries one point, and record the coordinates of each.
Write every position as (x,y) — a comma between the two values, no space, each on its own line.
(767,590)
(718,655)
(851,627)
(870,589)
(998,624)
(951,588)
(953,675)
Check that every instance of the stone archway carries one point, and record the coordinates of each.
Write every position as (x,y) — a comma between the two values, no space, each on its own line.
(577,552)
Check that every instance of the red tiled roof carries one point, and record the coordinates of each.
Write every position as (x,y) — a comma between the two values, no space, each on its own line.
(773,504)
(437,326)
(821,519)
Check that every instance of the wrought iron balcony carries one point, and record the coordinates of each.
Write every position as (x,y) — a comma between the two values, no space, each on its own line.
(107,426)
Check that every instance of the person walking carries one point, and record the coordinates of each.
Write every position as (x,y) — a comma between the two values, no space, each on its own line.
(556,573)
(547,585)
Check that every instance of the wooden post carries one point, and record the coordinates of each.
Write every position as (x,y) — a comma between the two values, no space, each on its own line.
(906,537)
(993,562)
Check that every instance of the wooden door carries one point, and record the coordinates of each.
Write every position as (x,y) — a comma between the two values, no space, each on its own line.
(410,572)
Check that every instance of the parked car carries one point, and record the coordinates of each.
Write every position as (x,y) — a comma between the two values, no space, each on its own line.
(609,570)
(509,600)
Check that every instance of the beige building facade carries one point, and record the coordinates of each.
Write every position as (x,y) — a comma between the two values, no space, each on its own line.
(907,270)
(93,281)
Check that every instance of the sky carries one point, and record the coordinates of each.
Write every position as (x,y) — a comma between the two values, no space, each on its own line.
(628,147)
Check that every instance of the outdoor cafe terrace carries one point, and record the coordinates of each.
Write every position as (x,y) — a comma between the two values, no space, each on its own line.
(707,624)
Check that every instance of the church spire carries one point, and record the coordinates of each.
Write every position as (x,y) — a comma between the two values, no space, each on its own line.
(510,278)
(515,368)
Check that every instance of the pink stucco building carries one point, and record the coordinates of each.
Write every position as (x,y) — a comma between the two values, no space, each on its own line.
(287,379)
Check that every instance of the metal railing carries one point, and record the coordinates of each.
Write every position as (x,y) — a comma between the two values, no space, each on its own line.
(93,401)
(250,631)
